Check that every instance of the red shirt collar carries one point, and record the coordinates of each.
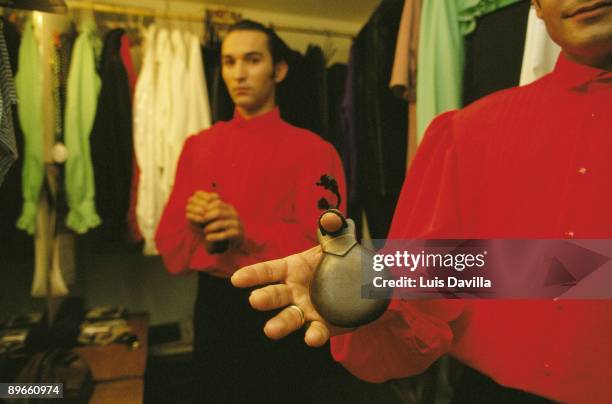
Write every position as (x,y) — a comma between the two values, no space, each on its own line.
(572,74)
(264,121)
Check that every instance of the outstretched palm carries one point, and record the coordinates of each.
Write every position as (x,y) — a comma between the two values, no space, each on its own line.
(288,281)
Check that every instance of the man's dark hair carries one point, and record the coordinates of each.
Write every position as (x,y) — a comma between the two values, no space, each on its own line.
(278,48)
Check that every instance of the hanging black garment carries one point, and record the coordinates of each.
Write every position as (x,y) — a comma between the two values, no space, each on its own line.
(381,125)
(336,80)
(293,92)
(55,171)
(64,52)
(348,147)
(8,94)
(221,104)
(302,96)
(111,143)
(316,60)
(15,243)
(494,51)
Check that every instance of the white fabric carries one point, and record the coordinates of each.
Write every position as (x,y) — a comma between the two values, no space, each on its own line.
(175,65)
(540,53)
(148,206)
(170,103)
(189,108)
(163,104)
(198,104)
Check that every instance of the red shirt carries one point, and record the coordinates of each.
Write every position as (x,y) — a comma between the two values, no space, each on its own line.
(268,170)
(528,162)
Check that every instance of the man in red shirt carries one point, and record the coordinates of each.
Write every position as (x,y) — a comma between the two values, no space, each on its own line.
(245,191)
(528,162)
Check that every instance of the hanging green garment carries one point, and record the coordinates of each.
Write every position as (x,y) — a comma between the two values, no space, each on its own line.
(83,87)
(28,83)
(444,23)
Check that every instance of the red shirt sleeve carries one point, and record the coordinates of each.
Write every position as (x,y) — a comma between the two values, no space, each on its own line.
(176,238)
(411,335)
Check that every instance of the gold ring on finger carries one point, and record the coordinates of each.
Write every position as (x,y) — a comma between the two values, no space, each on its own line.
(300,312)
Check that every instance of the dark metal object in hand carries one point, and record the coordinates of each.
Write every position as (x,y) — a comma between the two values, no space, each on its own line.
(217,247)
(336,289)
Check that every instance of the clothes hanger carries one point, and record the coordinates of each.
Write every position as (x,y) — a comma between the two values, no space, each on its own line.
(135,28)
(49,6)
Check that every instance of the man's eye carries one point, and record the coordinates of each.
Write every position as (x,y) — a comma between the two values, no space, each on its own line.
(254,60)
(228,62)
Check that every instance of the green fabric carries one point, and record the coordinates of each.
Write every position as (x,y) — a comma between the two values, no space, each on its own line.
(83,88)
(444,23)
(28,83)
(441,61)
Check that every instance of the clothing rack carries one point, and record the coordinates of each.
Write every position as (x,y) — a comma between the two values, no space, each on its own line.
(190,17)
(135,11)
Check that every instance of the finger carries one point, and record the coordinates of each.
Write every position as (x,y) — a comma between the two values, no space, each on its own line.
(206,196)
(271,297)
(232,211)
(283,324)
(317,334)
(260,274)
(194,200)
(221,225)
(195,209)
(214,204)
(216,214)
(226,234)
(198,198)
(197,219)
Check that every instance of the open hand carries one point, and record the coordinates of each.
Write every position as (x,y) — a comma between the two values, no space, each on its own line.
(291,277)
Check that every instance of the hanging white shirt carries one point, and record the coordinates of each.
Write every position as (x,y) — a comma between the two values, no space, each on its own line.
(163,105)
(541,53)
(145,144)
(197,102)
(174,136)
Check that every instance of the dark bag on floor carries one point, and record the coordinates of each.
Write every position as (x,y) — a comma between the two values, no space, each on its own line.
(59,365)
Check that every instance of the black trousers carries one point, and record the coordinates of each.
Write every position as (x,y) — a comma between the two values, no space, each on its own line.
(235,362)
(473,387)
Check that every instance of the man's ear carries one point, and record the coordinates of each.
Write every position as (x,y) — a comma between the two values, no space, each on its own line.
(538,7)
(280,71)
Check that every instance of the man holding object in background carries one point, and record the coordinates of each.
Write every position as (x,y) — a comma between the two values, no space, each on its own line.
(245,191)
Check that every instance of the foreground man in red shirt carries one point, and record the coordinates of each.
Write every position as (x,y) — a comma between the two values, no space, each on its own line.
(530,162)
(249,183)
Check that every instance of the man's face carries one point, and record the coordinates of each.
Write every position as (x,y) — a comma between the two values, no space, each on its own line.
(583,28)
(249,72)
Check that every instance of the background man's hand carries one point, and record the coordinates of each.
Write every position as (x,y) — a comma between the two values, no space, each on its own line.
(220,221)
(197,206)
(292,276)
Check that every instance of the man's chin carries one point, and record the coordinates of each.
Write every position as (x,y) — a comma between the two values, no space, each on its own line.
(244,102)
